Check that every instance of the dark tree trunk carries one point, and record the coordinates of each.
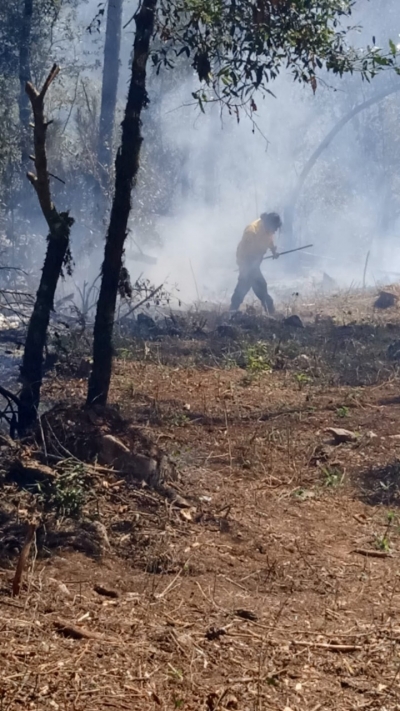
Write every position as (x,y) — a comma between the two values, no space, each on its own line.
(59,224)
(126,170)
(32,364)
(289,214)
(24,77)
(112,49)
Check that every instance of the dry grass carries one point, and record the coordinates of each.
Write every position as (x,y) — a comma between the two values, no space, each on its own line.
(279,588)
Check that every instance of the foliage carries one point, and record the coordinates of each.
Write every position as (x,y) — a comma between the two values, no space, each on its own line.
(239,46)
(67,493)
(342,411)
(51,19)
(302,380)
(257,358)
(333,477)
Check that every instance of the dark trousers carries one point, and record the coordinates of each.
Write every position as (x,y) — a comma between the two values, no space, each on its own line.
(250,277)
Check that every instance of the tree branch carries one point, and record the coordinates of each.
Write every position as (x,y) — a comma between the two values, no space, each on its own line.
(54,71)
(40,181)
(8,395)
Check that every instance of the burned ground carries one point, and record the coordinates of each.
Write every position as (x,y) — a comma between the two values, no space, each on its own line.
(276,586)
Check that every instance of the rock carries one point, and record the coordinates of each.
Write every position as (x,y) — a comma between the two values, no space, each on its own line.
(385,300)
(294,321)
(101,531)
(155,468)
(187,513)
(92,538)
(113,452)
(340,435)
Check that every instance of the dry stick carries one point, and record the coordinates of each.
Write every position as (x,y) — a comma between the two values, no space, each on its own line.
(371,553)
(365,269)
(9,395)
(330,647)
(74,632)
(143,301)
(23,558)
(229,440)
(48,172)
(195,282)
(173,581)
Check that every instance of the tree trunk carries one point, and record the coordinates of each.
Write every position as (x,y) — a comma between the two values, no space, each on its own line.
(32,364)
(210,161)
(24,77)
(289,213)
(126,170)
(59,224)
(109,89)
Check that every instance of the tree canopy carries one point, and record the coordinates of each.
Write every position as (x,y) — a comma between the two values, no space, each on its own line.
(238,47)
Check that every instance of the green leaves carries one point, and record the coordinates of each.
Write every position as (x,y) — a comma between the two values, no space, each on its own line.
(237,47)
(393,48)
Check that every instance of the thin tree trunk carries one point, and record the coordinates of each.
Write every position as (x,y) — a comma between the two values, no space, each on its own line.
(210,161)
(126,170)
(57,254)
(112,49)
(290,208)
(32,364)
(24,77)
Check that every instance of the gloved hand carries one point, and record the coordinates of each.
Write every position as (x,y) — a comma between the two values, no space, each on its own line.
(275,254)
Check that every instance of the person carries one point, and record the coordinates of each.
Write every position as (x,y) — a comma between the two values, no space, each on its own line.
(257,239)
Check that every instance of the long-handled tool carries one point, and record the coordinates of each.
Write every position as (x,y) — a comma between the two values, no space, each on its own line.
(289,251)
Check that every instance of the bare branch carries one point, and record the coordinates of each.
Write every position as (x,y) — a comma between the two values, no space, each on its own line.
(8,395)
(54,71)
(41,182)
(143,301)
(32,179)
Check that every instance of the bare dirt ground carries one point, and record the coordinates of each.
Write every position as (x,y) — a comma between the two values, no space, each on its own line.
(278,586)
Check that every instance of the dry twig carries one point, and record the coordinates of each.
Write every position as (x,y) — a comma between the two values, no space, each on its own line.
(23,558)
(370,553)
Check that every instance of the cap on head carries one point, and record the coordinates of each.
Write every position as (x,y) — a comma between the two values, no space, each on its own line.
(271,221)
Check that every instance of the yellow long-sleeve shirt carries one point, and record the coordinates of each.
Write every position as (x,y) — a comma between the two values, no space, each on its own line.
(255,242)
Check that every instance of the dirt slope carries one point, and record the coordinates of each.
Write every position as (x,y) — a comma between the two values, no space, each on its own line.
(277,589)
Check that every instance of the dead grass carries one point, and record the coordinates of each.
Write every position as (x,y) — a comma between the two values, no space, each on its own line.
(278,588)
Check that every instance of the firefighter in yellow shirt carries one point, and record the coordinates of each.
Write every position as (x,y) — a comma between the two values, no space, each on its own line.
(257,239)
